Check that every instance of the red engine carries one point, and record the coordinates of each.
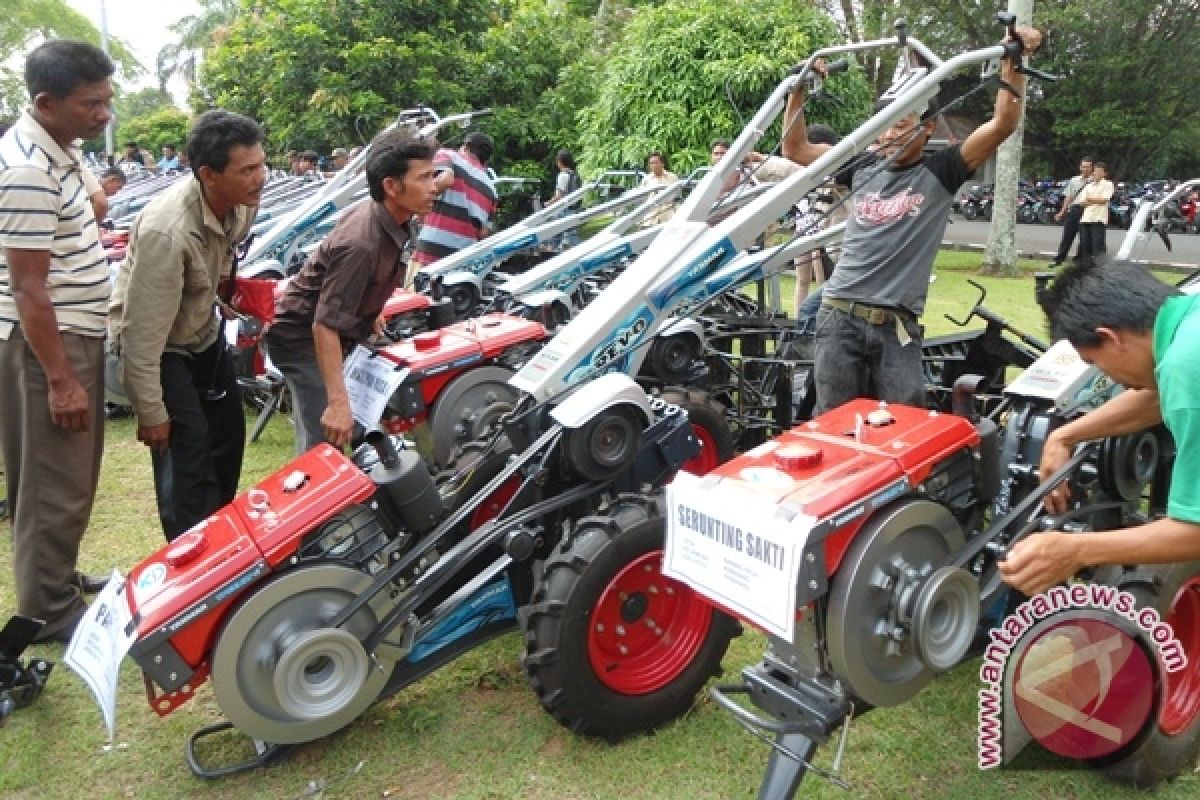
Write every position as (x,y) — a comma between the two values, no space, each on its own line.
(179,595)
(844,464)
(457,378)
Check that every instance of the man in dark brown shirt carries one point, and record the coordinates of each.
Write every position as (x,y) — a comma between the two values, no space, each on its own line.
(334,302)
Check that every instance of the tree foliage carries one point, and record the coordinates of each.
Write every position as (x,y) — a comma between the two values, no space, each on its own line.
(525,70)
(320,73)
(166,125)
(23,23)
(688,71)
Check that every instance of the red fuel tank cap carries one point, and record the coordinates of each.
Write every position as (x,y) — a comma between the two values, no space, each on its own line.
(428,340)
(186,548)
(798,456)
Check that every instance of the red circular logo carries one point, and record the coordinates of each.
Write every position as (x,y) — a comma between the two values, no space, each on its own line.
(1084,688)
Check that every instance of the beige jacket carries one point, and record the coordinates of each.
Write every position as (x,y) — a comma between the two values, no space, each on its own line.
(166,289)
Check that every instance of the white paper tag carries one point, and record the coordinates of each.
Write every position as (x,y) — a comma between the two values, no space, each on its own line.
(370,382)
(101,640)
(729,544)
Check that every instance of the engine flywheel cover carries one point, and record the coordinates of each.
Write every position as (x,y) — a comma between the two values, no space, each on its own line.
(281,674)
(870,642)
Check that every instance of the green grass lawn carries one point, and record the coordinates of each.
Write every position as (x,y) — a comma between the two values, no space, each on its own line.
(474,729)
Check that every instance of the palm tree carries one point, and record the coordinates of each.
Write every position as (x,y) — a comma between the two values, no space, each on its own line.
(197,33)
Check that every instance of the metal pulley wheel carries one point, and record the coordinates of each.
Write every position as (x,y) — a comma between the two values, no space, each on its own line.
(876,593)
(467,407)
(282,674)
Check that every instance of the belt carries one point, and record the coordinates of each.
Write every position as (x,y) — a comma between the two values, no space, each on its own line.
(874,315)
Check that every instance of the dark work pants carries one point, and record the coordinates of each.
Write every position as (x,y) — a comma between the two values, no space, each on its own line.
(1070,229)
(199,472)
(1091,239)
(857,359)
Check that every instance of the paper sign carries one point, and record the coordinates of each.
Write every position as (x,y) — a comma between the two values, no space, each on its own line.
(370,382)
(731,545)
(101,640)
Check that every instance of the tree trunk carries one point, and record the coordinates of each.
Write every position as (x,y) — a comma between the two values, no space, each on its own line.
(1000,254)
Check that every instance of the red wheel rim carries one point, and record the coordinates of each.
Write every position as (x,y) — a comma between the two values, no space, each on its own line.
(490,508)
(1183,687)
(708,459)
(646,629)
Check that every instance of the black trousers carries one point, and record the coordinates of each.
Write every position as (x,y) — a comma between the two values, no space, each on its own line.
(200,470)
(1070,229)
(1091,239)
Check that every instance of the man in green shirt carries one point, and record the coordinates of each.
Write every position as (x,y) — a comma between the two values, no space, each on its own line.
(1144,334)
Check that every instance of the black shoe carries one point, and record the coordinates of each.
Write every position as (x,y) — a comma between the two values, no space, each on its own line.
(3,509)
(1056,263)
(91,584)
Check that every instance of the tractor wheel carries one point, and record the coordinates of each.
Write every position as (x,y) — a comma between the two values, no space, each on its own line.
(612,646)
(710,426)
(1171,746)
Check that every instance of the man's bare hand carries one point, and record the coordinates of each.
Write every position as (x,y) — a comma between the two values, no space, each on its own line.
(156,437)
(1041,561)
(337,423)
(68,402)
(1030,37)
(1055,453)
(378,326)
(1059,216)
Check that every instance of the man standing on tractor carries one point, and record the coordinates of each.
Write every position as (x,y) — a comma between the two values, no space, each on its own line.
(466,204)
(166,327)
(335,301)
(868,342)
(1145,335)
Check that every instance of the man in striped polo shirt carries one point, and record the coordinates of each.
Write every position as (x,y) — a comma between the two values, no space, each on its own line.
(53,305)
(467,202)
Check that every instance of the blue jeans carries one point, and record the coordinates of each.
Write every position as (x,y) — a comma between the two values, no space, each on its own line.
(857,359)
(806,314)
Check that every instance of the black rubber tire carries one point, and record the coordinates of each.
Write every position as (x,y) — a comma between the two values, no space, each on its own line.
(1160,757)
(556,627)
(705,412)
(970,212)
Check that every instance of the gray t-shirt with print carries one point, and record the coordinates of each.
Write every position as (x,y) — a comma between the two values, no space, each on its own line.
(896,222)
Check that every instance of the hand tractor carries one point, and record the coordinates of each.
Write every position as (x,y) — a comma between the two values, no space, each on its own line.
(337,581)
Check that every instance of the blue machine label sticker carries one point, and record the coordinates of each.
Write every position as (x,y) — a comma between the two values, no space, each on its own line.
(492,603)
(609,353)
(151,577)
(692,278)
(605,257)
(528,240)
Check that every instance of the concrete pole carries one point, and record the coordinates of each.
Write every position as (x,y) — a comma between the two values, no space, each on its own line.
(1000,255)
(108,129)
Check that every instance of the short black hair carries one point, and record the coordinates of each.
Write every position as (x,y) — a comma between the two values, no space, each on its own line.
(480,145)
(309,155)
(171,145)
(130,144)
(60,66)
(390,156)
(819,133)
(213,133)
(720,143)
(114,172)
(565,158)
(1093,294)
(661,157)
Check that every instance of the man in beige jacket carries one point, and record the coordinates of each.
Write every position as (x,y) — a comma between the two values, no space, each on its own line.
(167,329)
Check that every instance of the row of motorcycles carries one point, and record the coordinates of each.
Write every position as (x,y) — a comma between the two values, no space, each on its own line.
(1039,204)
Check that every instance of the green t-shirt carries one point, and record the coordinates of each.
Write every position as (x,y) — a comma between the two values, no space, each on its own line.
(1177,372)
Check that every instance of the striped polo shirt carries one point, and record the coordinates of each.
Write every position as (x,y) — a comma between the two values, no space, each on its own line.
(44,205)
(460,215)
